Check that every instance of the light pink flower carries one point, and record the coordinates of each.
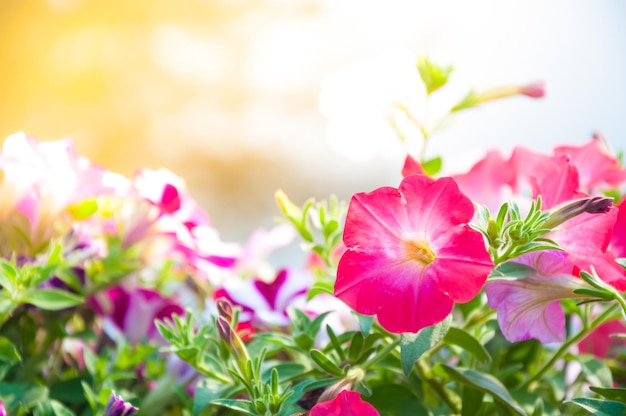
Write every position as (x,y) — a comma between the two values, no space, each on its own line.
(411,254)
(347,403)
(267,303)
(41,182)
(529,307)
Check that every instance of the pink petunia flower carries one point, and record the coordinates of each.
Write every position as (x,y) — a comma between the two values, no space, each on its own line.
(618,240)
(411,254)
(585,237)
(131,313)
(267,303)
(489,182)
(529,307)
(600,341)
(597,167)
(347,403)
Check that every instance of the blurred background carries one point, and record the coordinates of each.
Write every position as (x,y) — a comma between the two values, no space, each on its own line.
(243,97)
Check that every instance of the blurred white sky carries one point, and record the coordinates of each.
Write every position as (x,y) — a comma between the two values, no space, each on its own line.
(232,99)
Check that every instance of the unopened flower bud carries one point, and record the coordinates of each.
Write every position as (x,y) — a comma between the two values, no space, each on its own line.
(353,376)
(570,209)
(3,411)
(225,309)
(235,345)
(534,90)
(116,406)
(333,390)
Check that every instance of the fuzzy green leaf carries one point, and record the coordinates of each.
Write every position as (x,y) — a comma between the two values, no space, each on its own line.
(412,346)
(482,382)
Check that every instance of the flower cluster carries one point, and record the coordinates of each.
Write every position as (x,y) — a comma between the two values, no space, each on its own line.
(494,291)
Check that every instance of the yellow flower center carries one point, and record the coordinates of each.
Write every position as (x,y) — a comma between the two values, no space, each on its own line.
(418,251)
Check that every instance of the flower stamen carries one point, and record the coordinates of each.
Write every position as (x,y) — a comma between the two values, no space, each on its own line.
(418,251)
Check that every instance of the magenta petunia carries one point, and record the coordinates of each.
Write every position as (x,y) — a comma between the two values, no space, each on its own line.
(596,166)
(618,241)
(347,403)
(490,181)
(411,254)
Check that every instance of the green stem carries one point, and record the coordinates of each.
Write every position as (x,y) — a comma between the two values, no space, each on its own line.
(380,354)
(619,298)
(600,319)
(424,370)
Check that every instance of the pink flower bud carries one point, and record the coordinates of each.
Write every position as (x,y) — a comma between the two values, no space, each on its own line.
(534,90)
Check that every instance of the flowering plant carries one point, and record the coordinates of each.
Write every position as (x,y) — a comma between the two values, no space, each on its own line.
(494,291)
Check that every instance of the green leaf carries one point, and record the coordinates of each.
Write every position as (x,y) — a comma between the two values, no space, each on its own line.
(599,407)
(470,344)
(8,276)
(412,346)
(511,269)
(472,401)
(334,341)
(470,100)
(482,382)
(621,262)
(60,410)
(8,352)
(51,299)
(597,372)
(433,76)
(432,166)
(365,322)
(243,406)
(6,303)
(394,399)
(206,392)
(21,396)
(320,286)
(356,346)
(611,394)
(325,363)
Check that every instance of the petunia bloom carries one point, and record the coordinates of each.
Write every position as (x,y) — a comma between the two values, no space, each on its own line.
(267,303)
(529,307)
(131,313)
(116,406)
(601,341)
(411,254)
(347,403)
(597,167)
